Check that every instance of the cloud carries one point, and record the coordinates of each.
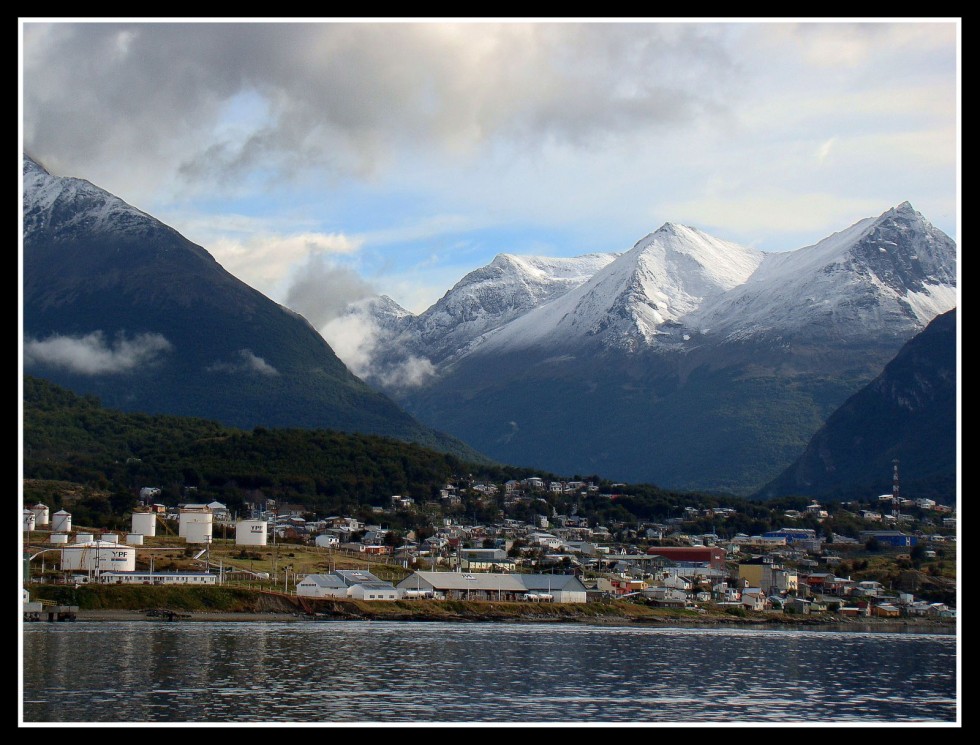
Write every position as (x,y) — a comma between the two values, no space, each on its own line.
(321,290)
(92,355)
(824,150)
(232,103)
(246,362)
(265,260)
(409,372)
(373,353)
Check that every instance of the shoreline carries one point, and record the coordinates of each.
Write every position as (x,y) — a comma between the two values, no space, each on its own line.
(856,625)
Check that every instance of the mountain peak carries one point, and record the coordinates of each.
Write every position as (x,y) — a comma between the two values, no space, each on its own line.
(32,166)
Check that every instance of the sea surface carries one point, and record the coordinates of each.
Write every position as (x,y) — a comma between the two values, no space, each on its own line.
(404,673)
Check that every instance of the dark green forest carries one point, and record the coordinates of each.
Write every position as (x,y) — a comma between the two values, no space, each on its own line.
(95,460)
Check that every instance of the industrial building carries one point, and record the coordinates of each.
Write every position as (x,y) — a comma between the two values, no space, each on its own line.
(558,588)
(196,523)
(41,515)
(251,533)
(98,557)
(346,583)
(61,522)
(157,578)
(145,523)
(710,556)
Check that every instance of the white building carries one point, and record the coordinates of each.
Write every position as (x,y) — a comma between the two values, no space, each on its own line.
(196,523)
(99,557)
(145,523)
(346,583)
(157,578)
(42,516)
(61,522)
(251,533)
(559,588)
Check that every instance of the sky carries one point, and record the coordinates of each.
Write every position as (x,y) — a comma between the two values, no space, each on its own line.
(322,161)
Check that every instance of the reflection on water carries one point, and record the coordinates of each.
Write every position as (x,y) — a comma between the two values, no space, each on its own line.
(441,672)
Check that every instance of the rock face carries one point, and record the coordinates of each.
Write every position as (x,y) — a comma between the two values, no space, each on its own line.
(687,361)
(119,305)
(907,413)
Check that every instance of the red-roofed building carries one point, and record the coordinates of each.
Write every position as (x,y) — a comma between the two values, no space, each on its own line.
(710,555)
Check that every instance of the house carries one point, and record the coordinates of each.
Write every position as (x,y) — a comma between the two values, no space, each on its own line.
(886,610)
(798,606)
(219,511)
(753,598)
(667,597)
(867,588)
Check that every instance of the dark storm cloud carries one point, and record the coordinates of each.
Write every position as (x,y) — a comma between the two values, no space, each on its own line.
(345,95)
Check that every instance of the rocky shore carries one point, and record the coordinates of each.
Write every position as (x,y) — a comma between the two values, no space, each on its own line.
(352,612)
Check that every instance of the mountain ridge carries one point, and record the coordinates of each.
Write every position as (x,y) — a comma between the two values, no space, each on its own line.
(727,358)
(119,305)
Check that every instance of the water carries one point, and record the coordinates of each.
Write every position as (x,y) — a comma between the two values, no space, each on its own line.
(404,672)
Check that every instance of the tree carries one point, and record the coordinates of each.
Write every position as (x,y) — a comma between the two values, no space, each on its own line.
(917,555)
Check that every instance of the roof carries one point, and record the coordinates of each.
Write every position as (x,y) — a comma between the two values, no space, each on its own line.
(563,582)
(324,580)
(355,576)
(466,581)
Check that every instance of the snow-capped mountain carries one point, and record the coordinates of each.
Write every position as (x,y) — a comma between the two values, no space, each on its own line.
(889,275)
(482,301)
(68,204)
(637,300)
(680,288)
(492,296)
(687,361)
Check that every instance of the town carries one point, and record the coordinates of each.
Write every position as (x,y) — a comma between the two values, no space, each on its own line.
(900,562)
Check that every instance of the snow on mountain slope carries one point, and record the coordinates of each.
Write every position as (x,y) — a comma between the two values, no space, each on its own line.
(491,296)
(638,299)
(73,203)
(892,274)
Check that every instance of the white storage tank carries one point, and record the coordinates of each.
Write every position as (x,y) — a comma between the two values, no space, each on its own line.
(145,523)
(251,533)
(98,556)
(110,538)
(61,522)
(59,538)
(84,537)
(28,521)
(41,515)
(196,525)
(134,539)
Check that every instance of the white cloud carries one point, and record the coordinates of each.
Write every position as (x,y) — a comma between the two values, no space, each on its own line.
(360,343)
(91,354)
(321,290)
(824,150)
(264,261)
(246,361)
